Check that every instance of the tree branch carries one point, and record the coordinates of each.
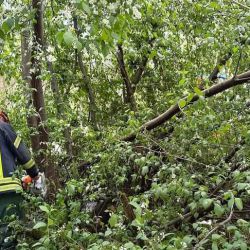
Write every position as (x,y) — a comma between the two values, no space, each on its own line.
(175,109)
(214,75)
(139,72)
(129,90)
(214,229)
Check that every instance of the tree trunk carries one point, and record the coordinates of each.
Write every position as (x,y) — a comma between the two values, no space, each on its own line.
(37,93)
(130,98)
(87,83)
(31,119)
(60,111)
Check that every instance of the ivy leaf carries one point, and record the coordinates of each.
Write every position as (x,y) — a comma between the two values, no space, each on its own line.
(69,38)
(40,224)
(239,203)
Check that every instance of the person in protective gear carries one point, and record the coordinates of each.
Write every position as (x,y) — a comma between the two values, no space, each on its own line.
(12,152)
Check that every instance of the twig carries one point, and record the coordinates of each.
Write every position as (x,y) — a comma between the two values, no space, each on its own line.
(214,229)
(242,5)
(238,63)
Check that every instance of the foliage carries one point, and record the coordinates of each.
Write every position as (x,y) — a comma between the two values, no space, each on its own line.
(163,177)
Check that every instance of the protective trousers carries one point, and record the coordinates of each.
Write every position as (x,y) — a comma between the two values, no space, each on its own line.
(10,209)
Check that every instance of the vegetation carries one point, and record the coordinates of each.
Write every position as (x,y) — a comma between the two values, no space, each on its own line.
(138,112)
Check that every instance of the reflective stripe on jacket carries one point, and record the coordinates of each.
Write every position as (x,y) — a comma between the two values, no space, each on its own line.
(12,151)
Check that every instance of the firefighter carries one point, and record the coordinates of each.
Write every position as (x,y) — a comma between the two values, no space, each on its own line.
(12,152)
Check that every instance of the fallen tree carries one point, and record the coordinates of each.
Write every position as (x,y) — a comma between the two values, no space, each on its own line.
(175,109)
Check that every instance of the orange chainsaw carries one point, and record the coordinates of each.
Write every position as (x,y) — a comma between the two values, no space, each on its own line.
(37,187)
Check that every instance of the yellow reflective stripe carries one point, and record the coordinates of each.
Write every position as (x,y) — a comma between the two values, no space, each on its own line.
(1,166)
(10,187)
(29,164)
(17,142)
(10,180)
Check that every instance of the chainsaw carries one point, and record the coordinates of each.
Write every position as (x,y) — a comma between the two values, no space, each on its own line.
(37,187)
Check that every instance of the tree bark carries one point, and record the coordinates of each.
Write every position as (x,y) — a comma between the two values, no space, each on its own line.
(38,96)
(31,119)
(175,109)
(214,75)
(36,83)
(130,98)
(130,84)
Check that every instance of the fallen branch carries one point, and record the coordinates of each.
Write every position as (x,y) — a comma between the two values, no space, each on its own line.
(214,229)
(175,109)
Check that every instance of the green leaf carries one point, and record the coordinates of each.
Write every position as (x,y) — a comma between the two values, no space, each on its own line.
(242,186)
(44,209)
(190,97)
(8,24)
(218,210)
(230,203)
(144,170)
(59,36)
(105,35)
(40,224)
(86,8)
(50,222)
(235,49)
(2,35)
(206,203)
(78,45)
(214,246)
(243,246)
(215,237)
(182,81)
(239,203)
(113,220)
(182,103)
(198,91)
(214,5)
(69,38)
(231,228)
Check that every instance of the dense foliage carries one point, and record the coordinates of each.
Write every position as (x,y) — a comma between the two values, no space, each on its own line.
(107,68)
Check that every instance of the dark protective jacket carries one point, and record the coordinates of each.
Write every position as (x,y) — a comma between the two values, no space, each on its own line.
(12,152)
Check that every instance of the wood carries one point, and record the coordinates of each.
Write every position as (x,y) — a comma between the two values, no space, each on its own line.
(173,110)
(86,84)
(128,85)
(214,75)
(32,118)
(128,209)
(36,83)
